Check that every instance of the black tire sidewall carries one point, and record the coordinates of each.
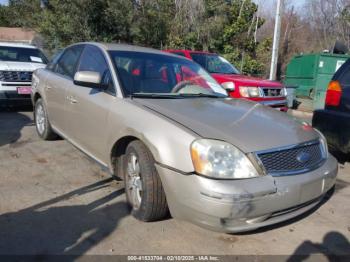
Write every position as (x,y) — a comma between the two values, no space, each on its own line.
(48,133)
(131,150)
(149,175)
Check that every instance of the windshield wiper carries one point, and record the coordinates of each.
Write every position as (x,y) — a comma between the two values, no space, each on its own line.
(150,95)
(202,95)
(175,95)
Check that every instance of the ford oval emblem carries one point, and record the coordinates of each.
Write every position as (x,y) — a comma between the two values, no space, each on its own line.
(303,157)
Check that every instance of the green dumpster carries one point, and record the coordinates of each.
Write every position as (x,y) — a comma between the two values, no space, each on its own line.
(311,73)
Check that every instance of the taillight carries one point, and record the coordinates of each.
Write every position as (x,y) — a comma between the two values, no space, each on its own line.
(334,93)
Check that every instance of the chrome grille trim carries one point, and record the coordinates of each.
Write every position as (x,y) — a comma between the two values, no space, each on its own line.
(16,76)
(314,145)
(271,92)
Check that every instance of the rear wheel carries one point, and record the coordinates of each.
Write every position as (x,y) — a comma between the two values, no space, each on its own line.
(42,123)
(143,187)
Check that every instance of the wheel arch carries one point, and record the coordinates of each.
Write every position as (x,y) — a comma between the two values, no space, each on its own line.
(36,96)
(168,144)
(117,152)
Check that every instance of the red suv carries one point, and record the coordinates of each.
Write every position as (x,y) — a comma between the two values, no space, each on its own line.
(267,92)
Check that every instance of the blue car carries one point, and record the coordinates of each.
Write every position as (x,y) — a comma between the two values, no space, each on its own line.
(334,120)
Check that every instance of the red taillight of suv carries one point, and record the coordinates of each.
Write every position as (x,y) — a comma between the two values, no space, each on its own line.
(334,93)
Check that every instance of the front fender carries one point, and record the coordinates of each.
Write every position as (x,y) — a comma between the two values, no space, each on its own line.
(168,141)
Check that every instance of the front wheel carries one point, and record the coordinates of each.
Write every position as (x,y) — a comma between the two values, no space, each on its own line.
(143,187)
(42,123)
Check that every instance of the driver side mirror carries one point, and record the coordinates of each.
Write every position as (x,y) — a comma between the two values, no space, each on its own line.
(229,86)
(88,79)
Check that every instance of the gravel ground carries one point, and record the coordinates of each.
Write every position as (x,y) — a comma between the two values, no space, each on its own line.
(54,200)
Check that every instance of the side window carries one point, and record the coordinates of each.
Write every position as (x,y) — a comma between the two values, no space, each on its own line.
(108,82)
(68,61)
(53,62)
(92,59)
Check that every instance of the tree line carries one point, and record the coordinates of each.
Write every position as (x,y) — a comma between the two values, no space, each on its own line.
(314,26)
(224,26)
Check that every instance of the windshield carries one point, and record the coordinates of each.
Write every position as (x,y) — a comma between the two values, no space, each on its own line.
(147,74)
(21,54)
(214,63)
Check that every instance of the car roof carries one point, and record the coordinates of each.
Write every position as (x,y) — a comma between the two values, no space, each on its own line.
(127,47)
(20,45)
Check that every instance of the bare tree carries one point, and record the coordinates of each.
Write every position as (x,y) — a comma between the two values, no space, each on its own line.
(330,21)
(313,28)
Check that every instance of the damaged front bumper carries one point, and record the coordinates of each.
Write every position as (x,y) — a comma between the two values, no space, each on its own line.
(246,204)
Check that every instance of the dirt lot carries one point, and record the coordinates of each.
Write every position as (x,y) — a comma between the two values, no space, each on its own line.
(54,200)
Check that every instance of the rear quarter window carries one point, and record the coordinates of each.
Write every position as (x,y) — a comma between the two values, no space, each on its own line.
(343,75)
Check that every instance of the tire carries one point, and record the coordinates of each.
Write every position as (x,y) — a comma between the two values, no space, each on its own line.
(42,124)
(148,202)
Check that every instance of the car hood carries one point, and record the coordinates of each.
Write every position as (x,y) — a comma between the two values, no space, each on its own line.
(247,125)
(246,80)
(20,66)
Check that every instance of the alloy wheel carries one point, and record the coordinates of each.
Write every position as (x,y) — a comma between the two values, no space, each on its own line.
(40,119)
(133,181)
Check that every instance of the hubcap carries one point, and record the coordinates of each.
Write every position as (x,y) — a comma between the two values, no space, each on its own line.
(40,119)
(133,181)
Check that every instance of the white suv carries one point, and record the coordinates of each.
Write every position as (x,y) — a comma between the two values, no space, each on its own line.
(17,63)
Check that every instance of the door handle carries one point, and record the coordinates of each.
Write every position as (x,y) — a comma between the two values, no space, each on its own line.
(72,100)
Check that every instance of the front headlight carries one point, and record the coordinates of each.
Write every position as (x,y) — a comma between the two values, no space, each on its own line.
(249,91)
(221,160)
(323,142)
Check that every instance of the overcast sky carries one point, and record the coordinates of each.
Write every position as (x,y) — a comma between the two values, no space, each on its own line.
(270,5)
(270,2)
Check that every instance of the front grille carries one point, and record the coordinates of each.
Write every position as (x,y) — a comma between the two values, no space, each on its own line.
(16,76)
(272,92)
(293,160)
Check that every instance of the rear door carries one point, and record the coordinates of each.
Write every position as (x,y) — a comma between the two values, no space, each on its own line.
(88,108)
(59,79)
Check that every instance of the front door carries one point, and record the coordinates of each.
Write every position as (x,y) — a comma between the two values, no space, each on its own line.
(88,108)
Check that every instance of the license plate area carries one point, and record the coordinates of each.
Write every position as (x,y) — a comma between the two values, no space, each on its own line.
(24,90)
